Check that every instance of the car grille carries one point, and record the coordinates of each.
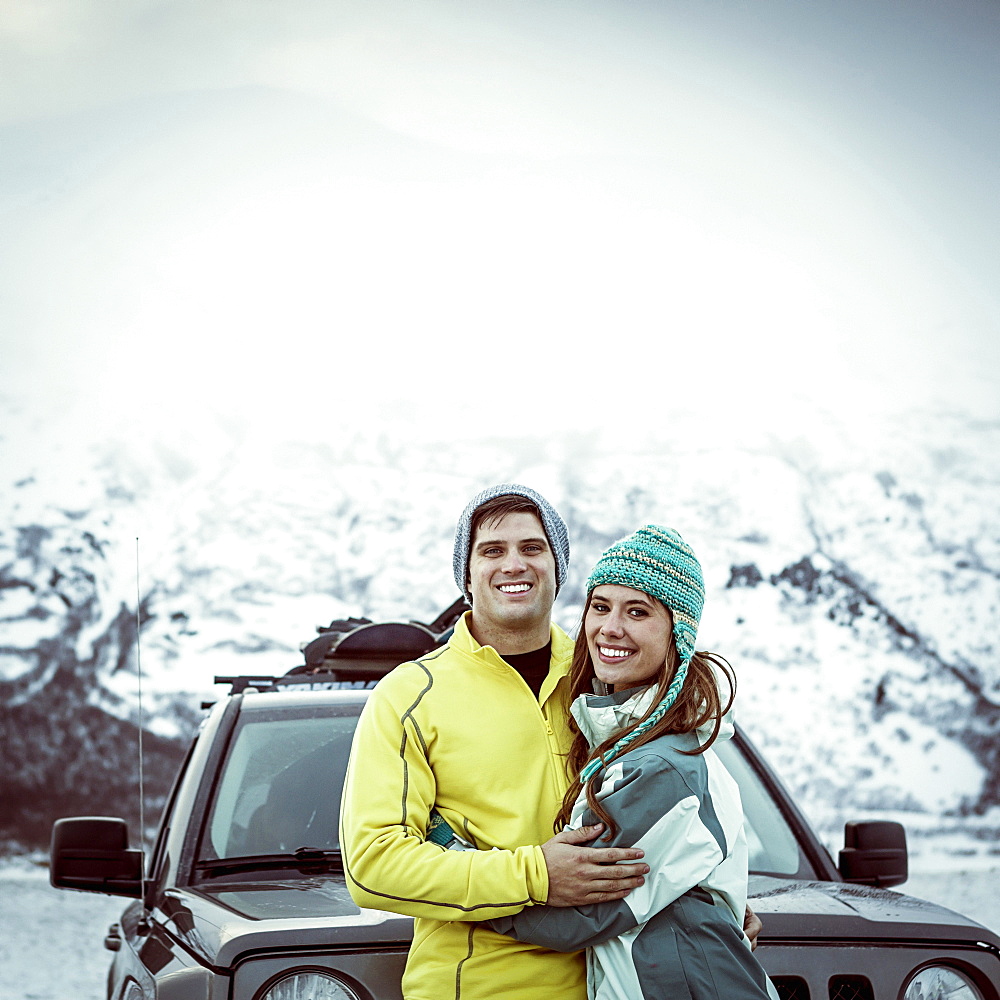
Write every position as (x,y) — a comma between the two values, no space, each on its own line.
(790,988)
(850,988)
(841,988)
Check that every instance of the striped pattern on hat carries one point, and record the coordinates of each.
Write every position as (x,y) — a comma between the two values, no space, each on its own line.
(555,531)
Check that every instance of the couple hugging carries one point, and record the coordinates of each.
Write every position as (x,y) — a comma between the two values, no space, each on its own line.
(551,812)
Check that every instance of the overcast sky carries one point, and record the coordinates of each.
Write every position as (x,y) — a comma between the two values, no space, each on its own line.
(497,216)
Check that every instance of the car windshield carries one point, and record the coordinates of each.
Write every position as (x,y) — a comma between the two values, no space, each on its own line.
(281,784)
(773,847)
(280,787)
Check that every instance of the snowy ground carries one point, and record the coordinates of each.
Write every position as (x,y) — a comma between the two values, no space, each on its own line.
(51,940)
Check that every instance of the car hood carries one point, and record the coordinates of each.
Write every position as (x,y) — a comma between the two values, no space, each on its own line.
(222,921)
(793,910)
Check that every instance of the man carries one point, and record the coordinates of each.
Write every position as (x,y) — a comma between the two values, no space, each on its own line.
(476,732)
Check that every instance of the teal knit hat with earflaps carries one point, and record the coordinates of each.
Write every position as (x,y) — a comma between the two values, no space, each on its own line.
(660,563)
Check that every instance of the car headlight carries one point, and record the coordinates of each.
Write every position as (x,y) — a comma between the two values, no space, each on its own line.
(936,982)
(309,986)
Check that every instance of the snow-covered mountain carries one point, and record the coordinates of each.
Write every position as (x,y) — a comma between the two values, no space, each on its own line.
(855,590)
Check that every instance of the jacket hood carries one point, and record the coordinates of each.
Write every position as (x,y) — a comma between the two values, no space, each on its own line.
(600,716)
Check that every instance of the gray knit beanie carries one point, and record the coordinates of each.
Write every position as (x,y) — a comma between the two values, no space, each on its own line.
(555,531)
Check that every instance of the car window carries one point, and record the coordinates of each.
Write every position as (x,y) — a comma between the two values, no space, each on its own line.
(774,849)
(158,859)
(281,783)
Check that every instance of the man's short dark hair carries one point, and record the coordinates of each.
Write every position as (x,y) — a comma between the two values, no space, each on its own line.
(497,508)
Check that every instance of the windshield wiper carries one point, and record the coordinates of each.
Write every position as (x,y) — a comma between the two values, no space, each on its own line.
(302,858)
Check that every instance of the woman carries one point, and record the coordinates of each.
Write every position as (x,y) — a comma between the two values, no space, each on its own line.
(645,768)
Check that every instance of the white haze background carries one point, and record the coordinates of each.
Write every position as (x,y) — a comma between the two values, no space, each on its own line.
(281,286)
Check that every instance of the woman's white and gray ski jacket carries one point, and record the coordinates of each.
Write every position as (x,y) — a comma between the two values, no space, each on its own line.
(680,934)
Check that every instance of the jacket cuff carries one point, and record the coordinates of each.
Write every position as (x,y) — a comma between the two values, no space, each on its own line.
(538,874)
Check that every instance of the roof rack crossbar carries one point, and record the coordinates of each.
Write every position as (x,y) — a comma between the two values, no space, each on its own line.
(242,682)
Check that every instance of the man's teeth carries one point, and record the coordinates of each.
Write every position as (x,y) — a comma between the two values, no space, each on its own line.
(617,654)
(514,588)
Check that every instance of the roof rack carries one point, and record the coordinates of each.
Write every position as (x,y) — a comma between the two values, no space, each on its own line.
(356,650)
(321,678)
(242,682)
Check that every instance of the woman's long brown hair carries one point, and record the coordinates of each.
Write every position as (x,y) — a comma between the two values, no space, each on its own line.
(698,704)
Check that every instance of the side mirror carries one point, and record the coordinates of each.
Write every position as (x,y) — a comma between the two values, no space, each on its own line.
(874,853)
(91,853)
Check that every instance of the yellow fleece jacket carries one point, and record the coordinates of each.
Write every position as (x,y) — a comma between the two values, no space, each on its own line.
(460,731)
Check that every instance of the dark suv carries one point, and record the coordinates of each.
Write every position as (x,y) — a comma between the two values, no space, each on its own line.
(244,895)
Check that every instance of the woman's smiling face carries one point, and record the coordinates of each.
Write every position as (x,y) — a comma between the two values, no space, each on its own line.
(629,635)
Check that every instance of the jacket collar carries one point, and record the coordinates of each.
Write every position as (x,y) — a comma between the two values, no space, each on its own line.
(562,651)
(601,716)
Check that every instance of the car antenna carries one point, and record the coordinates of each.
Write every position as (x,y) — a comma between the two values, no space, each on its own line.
(138,667)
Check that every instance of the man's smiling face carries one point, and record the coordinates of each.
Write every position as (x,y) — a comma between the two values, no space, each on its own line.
(512,575)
